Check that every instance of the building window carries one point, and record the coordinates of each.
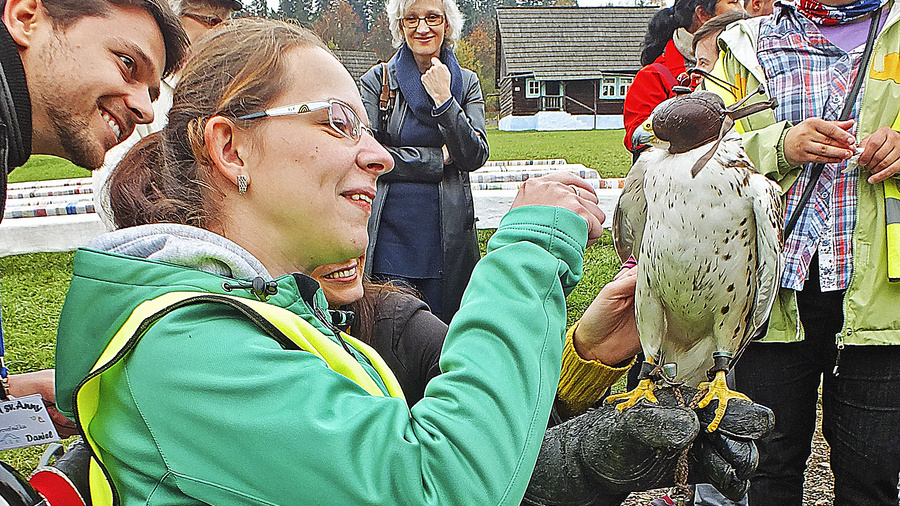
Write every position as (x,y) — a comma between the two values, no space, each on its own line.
(614,87)
(624,83)
(608,90)
(532,88)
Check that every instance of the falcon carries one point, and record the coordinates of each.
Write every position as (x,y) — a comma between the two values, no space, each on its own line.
(705,229)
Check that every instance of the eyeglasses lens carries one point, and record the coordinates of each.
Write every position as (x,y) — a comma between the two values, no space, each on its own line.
(430,20)
(344,120)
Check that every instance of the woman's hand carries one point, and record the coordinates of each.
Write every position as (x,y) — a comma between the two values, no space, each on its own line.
(42,382)
(437,81)
(564,189)
(819,141)
(607,331)
(880,153)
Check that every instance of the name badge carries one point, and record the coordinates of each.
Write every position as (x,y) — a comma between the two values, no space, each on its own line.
(24,421)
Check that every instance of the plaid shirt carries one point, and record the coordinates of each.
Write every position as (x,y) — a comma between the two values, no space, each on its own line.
(810,77)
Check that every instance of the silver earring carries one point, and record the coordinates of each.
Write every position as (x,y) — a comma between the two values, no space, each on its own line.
(242,184)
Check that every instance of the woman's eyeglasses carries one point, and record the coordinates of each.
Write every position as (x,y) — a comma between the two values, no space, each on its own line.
(207,21)
(412,22)
(341,117)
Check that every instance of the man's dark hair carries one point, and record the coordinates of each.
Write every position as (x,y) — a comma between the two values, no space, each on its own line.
(65,13)
(182,6)
(717,25)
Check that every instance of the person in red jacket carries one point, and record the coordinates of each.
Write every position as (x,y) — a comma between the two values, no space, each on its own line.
(665,56)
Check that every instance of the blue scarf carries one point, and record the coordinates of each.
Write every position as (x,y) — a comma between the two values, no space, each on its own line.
(828,15)
(421,128)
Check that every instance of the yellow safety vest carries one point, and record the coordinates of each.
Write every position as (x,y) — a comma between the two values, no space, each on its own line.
(892,218)
(287,328)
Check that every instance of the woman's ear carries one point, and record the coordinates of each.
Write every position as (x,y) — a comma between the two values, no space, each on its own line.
(224,142)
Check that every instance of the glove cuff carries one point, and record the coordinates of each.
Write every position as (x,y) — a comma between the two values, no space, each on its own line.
(583,382)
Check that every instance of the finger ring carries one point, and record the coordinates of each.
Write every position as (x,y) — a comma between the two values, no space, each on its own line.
(574,189)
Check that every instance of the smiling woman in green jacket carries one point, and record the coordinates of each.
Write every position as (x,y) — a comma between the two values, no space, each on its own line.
(209,395)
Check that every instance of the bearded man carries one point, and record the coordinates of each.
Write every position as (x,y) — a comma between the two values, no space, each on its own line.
(76,76)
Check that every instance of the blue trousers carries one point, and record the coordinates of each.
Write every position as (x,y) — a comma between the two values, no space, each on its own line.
(860,405)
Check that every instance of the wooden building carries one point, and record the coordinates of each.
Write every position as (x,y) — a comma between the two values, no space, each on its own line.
(561,68)
(357,62)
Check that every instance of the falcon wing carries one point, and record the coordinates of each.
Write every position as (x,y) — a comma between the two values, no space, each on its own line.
(769,223)
(631,211)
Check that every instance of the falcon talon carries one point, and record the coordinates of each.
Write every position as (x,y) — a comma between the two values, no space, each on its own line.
(718,391)
(643,390)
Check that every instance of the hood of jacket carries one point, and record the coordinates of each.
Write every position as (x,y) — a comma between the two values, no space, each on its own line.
(118,271)
(740,38)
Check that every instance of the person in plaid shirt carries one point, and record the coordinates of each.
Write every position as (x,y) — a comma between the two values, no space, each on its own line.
(830,322)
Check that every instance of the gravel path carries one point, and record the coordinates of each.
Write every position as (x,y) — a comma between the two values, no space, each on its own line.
(817,488)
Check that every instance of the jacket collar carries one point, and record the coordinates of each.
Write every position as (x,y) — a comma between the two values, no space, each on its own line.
(15,103)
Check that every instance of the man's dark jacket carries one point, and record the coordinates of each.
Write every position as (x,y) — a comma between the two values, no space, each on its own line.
(15,111)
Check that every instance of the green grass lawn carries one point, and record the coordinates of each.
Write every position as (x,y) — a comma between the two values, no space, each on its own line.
(40,167)
(34,286)
(598,149)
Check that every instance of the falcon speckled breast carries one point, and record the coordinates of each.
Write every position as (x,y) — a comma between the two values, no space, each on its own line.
(705,229)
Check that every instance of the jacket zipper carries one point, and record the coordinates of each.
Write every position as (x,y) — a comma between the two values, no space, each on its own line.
(840,346)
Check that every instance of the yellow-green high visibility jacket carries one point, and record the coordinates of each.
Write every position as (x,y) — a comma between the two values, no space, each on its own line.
(208,408)
(869,317)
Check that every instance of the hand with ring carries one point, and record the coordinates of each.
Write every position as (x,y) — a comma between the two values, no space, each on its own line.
(558,189)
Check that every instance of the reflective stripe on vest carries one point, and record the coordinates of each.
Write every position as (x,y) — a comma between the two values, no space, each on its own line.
(289,329)
(892,218)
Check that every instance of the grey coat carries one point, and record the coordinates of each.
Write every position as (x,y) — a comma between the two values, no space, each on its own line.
(462,126)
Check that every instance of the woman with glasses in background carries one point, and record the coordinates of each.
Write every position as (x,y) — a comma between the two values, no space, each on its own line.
(429,114)
(227,382)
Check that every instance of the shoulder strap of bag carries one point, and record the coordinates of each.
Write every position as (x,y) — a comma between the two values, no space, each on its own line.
(667,76)
(816,169)
(290,330)
(386,100)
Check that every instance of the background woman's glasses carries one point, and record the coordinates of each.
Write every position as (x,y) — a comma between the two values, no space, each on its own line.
(412,22)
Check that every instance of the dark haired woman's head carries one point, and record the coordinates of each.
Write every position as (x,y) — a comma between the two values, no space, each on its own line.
(292,185)
(687,14)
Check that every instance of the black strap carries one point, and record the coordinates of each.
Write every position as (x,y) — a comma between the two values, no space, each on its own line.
(816,169)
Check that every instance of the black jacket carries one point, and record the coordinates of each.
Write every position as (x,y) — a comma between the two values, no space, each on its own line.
(15,111)
(409,338)
(462,126)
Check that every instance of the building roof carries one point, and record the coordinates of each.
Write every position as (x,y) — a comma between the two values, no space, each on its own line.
(356,62)
(568,43)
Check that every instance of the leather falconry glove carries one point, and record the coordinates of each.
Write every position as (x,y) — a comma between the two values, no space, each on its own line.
(601,456)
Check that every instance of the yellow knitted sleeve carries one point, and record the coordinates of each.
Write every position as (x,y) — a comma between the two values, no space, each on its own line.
(583,382)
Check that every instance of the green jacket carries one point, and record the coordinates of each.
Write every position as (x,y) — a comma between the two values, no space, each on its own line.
(869,315)
(209,409)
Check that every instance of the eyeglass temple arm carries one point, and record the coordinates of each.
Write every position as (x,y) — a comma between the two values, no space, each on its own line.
(260,114)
